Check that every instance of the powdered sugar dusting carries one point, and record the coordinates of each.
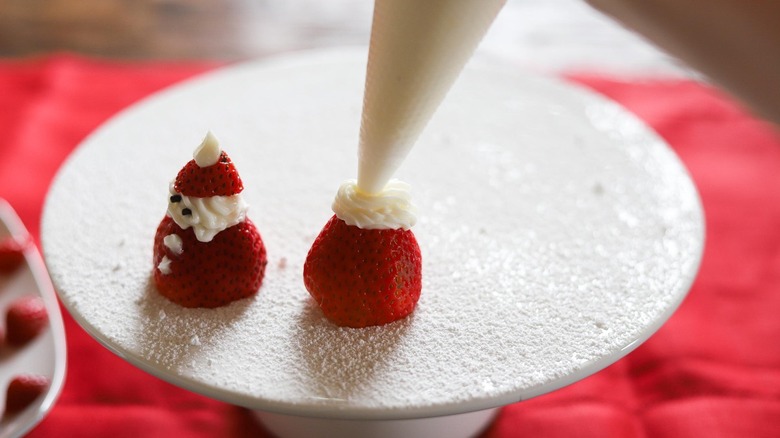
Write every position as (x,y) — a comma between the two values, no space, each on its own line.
(556,233)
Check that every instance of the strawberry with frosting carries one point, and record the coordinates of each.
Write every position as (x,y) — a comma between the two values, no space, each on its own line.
(365,267)
(207,253)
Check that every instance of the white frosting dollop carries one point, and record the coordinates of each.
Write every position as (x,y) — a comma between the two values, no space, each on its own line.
(391,208)
(207,216)
(207,154)
(174,243)
(165,265)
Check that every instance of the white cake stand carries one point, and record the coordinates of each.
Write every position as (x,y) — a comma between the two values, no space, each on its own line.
(558,233)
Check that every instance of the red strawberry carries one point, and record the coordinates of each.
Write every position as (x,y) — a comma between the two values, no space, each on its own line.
(23,390)
(201,182)
(25,319)
(11,254)
(361,277)
(210,274)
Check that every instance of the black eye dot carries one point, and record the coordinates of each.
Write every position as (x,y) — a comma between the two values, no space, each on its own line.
(176,198)
(186,212)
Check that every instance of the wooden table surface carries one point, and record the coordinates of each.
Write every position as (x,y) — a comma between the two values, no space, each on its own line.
(547,36)
(178,29)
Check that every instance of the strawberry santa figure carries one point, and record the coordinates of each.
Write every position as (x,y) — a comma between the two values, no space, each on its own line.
(207,253)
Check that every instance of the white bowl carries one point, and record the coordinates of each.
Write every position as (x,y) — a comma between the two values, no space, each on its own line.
(45,354)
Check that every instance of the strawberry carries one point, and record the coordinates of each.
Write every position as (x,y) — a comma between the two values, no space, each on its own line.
(209,274)
(22,392)
(360,277)
(11,254)
(25,319)
(219,179)
(206,252)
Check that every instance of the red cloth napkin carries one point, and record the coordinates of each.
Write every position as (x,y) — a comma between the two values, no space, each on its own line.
(713,370)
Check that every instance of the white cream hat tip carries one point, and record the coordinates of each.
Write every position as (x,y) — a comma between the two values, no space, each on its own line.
(207,154)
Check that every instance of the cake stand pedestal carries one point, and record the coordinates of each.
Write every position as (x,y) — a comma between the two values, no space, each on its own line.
(557,231)
(460,425)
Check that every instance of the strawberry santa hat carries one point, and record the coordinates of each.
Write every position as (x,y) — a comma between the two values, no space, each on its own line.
(209,173)
(206,193)
(207,253)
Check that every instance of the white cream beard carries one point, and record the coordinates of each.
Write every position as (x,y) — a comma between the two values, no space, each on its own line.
(208,216)
(389,209)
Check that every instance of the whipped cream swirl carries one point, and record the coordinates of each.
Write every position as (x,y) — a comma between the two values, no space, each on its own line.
(207,216)
(391,208)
